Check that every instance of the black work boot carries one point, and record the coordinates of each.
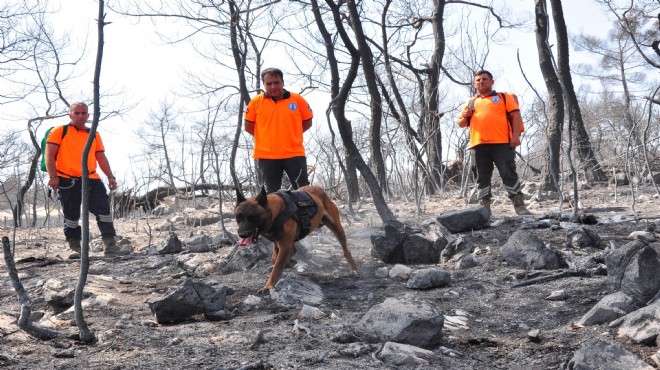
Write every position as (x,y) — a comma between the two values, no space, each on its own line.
(111,248)
(519,205)
(74,245)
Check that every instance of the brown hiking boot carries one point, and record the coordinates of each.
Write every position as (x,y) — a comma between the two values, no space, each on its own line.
(111,247)
(519,205)
(486,204)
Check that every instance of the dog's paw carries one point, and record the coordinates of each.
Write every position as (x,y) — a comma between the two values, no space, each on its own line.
(264,290)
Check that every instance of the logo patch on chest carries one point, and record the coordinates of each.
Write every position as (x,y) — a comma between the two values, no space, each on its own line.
(293,106)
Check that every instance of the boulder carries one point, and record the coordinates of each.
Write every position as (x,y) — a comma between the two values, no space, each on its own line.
(293,289)
(399,243)
(170,245)
(199,244)
(58,294)
(416,323)
(641,326)
(526,250)
(398,354)
(634,269)
(595,353)
(475,218)
(610,308)
(428,279)
(191,298)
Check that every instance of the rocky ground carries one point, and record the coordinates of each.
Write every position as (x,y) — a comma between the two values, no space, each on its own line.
(491,326)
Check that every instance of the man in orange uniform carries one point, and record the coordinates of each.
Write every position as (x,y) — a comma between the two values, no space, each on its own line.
(277,120)
(64,162)
(495,127)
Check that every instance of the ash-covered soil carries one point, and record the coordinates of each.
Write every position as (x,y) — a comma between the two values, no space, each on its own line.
(260,333)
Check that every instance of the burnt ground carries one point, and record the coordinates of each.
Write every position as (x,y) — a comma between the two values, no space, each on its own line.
(128,336)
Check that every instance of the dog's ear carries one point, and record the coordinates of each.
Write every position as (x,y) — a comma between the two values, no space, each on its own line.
(262,198)
(239,196)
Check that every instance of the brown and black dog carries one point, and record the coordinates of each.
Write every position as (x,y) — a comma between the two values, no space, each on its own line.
(256,215)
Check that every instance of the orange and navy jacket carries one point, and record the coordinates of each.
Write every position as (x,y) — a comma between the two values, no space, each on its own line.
(278,129)
(489,122)
(69,154)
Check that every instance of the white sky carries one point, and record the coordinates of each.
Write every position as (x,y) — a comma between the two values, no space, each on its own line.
(143,71)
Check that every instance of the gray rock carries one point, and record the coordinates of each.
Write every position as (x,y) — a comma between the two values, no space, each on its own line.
(583,237)
(382,272)
(557,295)
(355,350)
(203,220)
(428,279)
(475,218)
(161,210)
(456,246)
(310,313)
(534,335)
(199,244)
(646,236)
(170,245)
(58,294)
(191,298)
(525,250)
(466,261)
(65,353)
(399,243)
(398,354)
(635,270)
(416,323)
(595,353)
(292,289)
(643,325)
(247,257)
(400,272)
(610,308)
(165,226)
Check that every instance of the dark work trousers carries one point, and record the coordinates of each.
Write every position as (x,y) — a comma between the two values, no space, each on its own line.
(271,171)
(70,195)
(504,158)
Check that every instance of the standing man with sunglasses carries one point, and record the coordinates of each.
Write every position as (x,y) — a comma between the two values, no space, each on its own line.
(64,166)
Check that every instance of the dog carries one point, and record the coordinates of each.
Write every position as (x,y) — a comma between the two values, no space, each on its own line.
(258,216)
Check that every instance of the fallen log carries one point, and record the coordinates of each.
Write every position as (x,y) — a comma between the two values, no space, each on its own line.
(546,278)
(127,201)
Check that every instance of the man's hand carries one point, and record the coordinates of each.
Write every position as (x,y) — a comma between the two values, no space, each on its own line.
(514,142)
(112,183)
(54,182)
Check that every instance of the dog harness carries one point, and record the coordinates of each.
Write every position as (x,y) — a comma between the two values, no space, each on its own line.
(299,206)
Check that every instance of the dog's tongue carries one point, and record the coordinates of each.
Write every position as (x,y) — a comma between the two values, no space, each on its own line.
(245,241)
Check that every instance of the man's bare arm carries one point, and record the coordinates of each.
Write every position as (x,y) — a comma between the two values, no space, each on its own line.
(249,127)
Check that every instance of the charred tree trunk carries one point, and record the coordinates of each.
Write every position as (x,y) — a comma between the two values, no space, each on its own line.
(350,170)
(240,58)
(555,98)
(584,149)
(432,121)
(17,210)
(24,321)
(339,107)
(370,77)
